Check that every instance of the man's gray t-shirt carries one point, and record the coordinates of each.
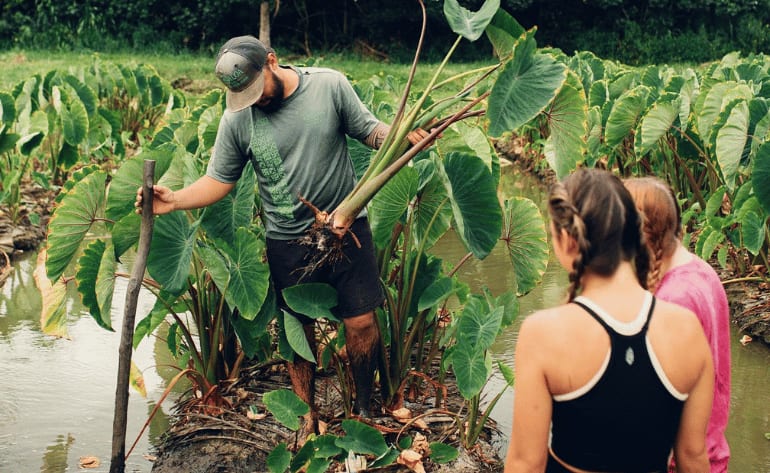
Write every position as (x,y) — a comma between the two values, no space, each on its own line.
(299,150)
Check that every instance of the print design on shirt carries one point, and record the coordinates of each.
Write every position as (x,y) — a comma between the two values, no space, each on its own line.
(630,356)
(269,161)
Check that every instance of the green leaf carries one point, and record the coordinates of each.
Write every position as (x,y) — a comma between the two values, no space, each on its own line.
(760,176)
(53,313)
(286,406)
(7,109)
(130,177)
(390,203)
(567,120)
(624,115)
(171,251)
(96,281)
(433,213)
(714,239)
(714,204)
(361,438)
(249,275)
(524,88)
(325,446)
(526,239)
(74,121)
(730,141)
(502,32)
(507,373)
(84,93)
(72,220)
(753,232)
(655,124)
(235,210)
(295,334)
(318,465)
(278,459)
(478,326)
(314,300)
(473,195)
(468,24)
(443,453)
(437,292)
(471,370)
(125,233)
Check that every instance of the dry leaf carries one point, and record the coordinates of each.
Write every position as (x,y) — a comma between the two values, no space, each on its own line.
(411,459)
(745,340)
(253,413)
(322,427)
(89,462)
(420,444)
(150,458)
(402,414)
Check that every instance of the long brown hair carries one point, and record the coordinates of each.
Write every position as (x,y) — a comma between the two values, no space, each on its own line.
(662,221)
(596,210)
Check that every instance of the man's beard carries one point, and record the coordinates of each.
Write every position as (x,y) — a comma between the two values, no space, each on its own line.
(276,101)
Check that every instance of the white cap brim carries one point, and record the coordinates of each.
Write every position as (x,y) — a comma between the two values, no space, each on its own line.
(247,97)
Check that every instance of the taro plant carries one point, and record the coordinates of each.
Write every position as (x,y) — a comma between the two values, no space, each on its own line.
(205,267)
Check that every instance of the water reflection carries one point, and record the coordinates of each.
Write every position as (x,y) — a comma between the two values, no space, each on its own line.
(57,395)
(750,396)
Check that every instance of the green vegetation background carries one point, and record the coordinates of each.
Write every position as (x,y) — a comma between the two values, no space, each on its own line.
(630,31)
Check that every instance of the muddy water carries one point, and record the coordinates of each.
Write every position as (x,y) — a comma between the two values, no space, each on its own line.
(750,395)
(57,395)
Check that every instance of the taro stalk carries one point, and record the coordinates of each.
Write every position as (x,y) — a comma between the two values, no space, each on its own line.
(390,157)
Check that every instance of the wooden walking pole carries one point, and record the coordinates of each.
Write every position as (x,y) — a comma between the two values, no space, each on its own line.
(118,460)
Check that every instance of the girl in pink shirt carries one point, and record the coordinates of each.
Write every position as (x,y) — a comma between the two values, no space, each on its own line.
(678,276)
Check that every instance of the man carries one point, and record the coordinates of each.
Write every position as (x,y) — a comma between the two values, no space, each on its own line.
(292,123)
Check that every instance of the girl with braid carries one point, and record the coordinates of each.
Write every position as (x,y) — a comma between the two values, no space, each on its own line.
(680,277)
(614,380)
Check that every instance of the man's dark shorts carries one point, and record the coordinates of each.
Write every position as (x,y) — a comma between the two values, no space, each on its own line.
(355,276)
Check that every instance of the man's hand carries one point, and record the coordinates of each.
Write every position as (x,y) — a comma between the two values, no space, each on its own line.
(162,201)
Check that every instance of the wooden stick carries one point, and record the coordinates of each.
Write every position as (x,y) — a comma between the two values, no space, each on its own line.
(118,460)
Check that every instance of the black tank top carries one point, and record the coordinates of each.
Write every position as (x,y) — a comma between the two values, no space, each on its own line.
(627,421)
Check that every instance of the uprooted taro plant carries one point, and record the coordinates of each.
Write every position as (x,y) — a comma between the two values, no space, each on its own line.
(206,267)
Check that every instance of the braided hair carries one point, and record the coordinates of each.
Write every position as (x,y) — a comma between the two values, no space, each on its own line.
(597,211)
(662,221)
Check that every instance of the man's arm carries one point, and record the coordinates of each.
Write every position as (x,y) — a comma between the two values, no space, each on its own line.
(205,191)
(377,136)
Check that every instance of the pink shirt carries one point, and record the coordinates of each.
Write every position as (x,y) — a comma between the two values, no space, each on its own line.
(696,286)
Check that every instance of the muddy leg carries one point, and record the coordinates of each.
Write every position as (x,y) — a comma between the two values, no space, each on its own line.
(362,338)
(302,374)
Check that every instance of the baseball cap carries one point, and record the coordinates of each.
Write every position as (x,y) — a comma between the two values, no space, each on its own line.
(239,66)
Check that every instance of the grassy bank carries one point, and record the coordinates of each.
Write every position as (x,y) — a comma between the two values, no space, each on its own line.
(198,68)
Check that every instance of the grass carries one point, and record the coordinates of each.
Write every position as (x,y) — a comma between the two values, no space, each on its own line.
(200,67)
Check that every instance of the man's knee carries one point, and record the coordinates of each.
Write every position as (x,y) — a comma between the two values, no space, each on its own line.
(364,323)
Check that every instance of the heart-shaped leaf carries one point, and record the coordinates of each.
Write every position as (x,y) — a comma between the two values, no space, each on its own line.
(468,24)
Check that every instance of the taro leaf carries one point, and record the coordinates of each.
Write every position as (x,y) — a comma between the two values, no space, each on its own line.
(711,243)
(435,293)
(216,266)
(360,155)
(466,23)
(361,438)
(730,141)
(157,315)
(72,220)
(286,406)
(74,121)
(475,206)
(302,457)
(443,453)
(252,332)
(278,459)
(471,369)
(711,104)
(7,109)
(171,251)
(502,32)
(28,143)
(84,93)
(96,281)
(314,300)
(295,335)
(325,446)
(507,373)
(760,176)
(433,214)
(655,124)
(125,233)
(68,155)
(53,313)
(567,121)
(624,115)
(208,124)
(249,275)
(387,458)
(524,88)
(389,204)
(714,204)
(129,178)
(527,242)
(234,211)
(75,177)
(478,326)
(7,140)
(318,465)
(753,232)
